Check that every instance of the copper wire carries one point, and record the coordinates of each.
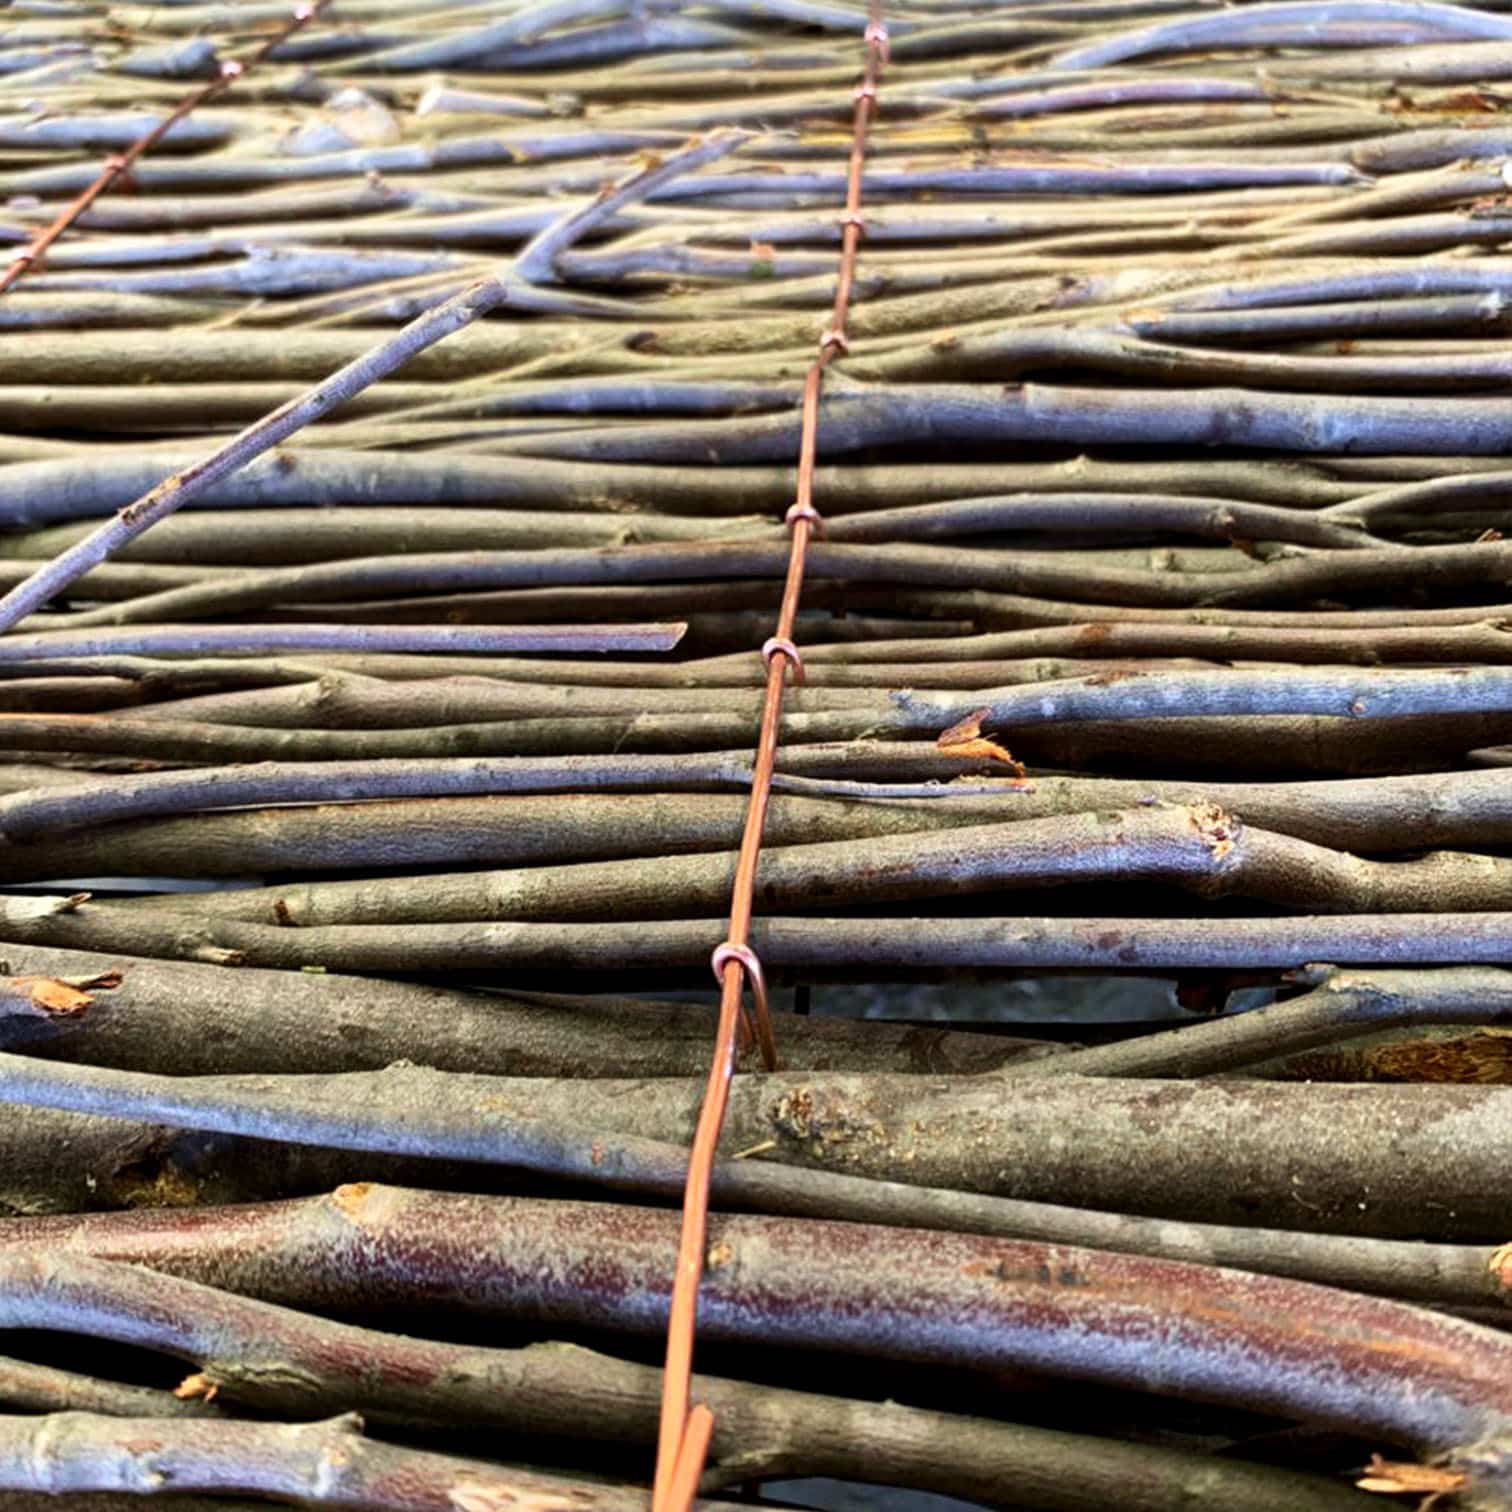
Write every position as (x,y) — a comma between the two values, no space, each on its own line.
(760,1023)
(119,164)
(807,512)
(777,645)
(685,1432)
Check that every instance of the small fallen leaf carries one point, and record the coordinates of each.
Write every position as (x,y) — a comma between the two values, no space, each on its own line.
(965,739)
(197,1386)
(52,995)
(66,996)
(1391,1478)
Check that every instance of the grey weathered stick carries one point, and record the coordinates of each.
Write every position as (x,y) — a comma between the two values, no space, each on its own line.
(1347,695)
(28,809)
(1350,1158)
(72,487)
(1197,847)
(868,949)
(1464,809)
(1061,574)
(188,1019)
(116,1163)
(29,1387)
(1292,21)
(523,830)
(325,1464)
(259,640)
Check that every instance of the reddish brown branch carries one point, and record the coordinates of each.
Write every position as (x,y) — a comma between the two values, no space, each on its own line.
(285,1362)
(1375,1368)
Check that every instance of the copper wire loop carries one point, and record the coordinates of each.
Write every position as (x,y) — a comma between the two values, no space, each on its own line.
(751,962)
(686,1428)
(807,512)
(779,645)
(119,164)
(858,221)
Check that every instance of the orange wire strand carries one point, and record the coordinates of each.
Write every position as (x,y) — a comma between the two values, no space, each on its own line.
(685,1432)
(119,164)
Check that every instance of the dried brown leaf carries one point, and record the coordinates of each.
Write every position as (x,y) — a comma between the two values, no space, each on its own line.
(196,1386)
(64,996)
(1391,1478)
(965,740)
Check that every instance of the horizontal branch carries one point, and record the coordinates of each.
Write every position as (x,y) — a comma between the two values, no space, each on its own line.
(864,949)
(1353,1158)
(269,537)
(931,651)
(1380,814)
(28,1387)
(78,486)
(189,1019)
(313,1464)
(1197,847)
(1065,415)
(521,829)
(118,1163)
(27,810)
(1344,694)
(1368,570)
(253,640)
(1293,22)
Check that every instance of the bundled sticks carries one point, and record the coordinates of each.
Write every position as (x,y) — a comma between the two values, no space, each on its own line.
(407,445)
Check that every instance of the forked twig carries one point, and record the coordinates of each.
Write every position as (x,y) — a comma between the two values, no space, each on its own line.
(373,365)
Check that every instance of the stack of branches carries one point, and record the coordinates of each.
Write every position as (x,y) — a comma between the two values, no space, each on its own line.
(1161,631)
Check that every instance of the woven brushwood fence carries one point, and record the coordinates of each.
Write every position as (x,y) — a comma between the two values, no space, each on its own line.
(982,524)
